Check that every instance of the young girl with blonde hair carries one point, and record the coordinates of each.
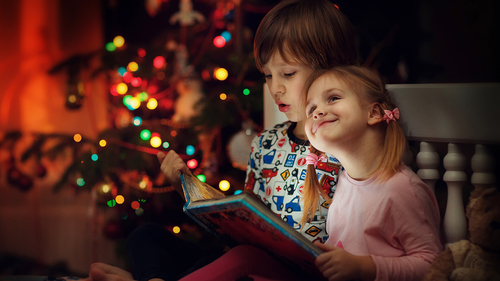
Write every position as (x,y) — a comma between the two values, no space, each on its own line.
(383,221)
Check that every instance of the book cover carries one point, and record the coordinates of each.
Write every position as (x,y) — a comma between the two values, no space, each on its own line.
(245,219)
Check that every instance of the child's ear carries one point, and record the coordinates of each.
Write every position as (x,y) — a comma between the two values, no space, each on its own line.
(375,114)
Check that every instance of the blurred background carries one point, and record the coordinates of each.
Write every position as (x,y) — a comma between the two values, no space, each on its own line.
(90,90)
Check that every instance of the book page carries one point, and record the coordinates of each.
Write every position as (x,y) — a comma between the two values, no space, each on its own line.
(195,190)
(244,219)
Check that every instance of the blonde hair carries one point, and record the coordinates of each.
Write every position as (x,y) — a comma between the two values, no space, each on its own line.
(370,88)
(313,33)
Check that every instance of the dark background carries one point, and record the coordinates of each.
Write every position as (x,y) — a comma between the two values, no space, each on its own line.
(443,41)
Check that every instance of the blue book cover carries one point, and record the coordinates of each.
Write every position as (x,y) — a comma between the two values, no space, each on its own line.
(245,219)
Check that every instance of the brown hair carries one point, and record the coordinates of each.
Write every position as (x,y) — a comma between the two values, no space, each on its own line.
(370,88)
(312,32)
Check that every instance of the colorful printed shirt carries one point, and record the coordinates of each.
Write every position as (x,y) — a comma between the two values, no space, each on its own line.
(276,173)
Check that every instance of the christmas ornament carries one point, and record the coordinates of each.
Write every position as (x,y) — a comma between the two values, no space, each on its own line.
(186,15)
(188,104)
(238,147)
(19,180)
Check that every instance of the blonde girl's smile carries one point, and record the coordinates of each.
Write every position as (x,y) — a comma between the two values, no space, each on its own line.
(334,113)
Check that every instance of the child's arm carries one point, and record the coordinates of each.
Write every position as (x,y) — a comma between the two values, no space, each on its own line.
(338,264)
(172,166)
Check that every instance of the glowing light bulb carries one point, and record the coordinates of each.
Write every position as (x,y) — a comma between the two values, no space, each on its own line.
(137,121)
(143,184)
(111,203)
(219,41)
(155,141)
(226,35)
(152,104)
(143,96)
(126,100)
(166,144)
(136,81)
(119,199)
(77,138)
(72,98)
(134,103)
(118,41)
(127,77)
(110,47)
(135,205)
(190,150)
(176,229)
(139,211)
(121,70)
(145,134)
(158,62)
(94,157)
(105,188)
(221,74)
(132,66)
(121,88)
(224,185)
(223,96)
(192,163)
(102,143)
(202,178)
(80,182)
(141,52)
(246,92)
(113,91)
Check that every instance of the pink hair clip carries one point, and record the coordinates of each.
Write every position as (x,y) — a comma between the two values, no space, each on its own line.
(313,159)
(391,115)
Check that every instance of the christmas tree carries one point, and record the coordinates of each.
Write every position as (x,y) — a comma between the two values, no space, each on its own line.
(188,84)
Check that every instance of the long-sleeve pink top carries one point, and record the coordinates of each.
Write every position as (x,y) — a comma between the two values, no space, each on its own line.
(395,222)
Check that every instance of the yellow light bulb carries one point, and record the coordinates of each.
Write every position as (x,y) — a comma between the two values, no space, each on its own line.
(118,41)
(132,66)
(224,185)
(176,229)
(221,74)
(223,96)
(121,88)
(77,137)
(102,143)
(106,188)
(135,103)
(152,103)
(156,141)
(119,199)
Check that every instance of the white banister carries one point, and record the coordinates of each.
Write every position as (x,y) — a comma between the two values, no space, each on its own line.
(455,223)
(427,162)
(482,165)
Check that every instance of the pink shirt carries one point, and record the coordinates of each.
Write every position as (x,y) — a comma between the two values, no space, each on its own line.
(396,223)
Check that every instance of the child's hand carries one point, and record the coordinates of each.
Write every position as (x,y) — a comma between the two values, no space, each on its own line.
(172,166)
(337,264)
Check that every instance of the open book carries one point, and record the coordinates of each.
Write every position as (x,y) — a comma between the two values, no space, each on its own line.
(245,219)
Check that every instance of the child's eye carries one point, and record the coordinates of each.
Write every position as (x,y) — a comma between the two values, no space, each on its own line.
(310,111)
(290,74)
(332,99)
(267,76)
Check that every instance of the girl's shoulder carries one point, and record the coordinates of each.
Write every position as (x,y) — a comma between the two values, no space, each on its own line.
(407,184)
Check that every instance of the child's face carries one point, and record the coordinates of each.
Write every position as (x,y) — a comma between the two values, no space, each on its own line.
(286,83)
(335,116)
